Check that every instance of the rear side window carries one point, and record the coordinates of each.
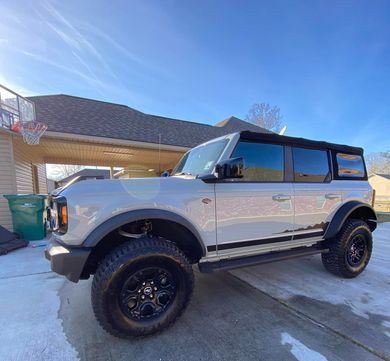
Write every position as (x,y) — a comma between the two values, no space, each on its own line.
(263,162)
(310,165)
(350,165)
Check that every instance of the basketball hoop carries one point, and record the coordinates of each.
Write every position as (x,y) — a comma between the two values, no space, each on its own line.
(32,131)
(16,127)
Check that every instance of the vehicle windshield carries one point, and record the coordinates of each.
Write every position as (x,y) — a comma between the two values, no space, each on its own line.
(200,160)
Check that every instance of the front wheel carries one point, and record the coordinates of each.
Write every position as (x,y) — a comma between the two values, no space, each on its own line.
(141,288)
(350,251)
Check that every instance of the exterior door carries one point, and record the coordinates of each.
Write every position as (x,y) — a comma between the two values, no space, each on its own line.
(256,212)
(316,195)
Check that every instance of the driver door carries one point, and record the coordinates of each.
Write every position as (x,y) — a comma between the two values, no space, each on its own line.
(255,213)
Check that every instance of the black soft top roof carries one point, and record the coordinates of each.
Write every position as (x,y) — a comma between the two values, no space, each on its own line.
(302,142)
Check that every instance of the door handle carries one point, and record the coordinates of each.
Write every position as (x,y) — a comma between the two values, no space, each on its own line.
(281,197)
(331,196)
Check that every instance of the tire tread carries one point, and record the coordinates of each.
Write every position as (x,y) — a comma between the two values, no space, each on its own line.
(132,249)
(334,260)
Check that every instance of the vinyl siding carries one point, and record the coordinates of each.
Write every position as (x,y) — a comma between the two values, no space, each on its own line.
(7,179)
(382,192)
(23,172)
(380,184)
(16,174)
(42,180)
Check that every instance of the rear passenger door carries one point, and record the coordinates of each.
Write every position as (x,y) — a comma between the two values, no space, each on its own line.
(316,194)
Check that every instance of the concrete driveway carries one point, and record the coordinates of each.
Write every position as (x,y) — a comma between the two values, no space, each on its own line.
(291,310)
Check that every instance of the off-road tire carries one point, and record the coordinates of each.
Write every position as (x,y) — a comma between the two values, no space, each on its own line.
(336,260)
(119,265)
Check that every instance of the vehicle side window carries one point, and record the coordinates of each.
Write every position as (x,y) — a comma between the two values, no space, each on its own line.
(350,165)
(263,162)
(310,165)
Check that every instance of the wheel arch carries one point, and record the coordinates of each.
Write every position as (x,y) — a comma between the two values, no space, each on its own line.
(352,209)
(119,220)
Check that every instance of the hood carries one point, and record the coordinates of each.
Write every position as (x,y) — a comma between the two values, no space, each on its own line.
(134,186)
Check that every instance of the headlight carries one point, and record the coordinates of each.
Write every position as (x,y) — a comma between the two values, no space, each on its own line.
(59,215)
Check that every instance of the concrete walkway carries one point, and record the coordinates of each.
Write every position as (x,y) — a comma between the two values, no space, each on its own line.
(30,328)
(290,310)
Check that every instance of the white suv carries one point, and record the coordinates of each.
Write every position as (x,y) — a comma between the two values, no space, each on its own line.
(243,199)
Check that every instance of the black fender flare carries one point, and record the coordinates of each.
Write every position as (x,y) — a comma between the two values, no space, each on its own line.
(131,216)
(343,214)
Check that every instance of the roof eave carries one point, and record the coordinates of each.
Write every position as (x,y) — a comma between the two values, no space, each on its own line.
(113,141)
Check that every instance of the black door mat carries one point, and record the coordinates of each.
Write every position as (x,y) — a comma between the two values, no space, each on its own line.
(10,241)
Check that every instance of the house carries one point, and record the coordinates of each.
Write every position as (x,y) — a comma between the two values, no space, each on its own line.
(90,132)
(381,184)
(51,185)
(85,174)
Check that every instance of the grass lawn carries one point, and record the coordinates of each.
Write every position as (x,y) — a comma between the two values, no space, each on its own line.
(383,217)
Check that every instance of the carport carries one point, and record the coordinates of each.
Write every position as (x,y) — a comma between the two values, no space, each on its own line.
(144,159)
(23,166)
(95,133)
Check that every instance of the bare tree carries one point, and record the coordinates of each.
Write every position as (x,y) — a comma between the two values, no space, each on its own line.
(378,162)
(265,116)
(61,171)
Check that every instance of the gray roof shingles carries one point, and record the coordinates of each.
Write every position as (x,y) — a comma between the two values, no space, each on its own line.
(70,114)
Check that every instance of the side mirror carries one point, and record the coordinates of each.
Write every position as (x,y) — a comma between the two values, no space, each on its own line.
(231,168)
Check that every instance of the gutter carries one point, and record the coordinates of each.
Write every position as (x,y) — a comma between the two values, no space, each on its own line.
(113,141)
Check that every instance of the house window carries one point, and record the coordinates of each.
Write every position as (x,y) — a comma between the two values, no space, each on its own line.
(310,165)
(263,162)
(350,165)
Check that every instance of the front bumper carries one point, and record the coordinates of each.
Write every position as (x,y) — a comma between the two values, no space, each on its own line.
(67,261)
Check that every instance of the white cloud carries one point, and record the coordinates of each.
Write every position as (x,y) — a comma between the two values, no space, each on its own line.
(74,38)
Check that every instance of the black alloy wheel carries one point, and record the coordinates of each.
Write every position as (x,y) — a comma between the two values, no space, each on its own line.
(141,287)
(350,250)
(147,293)
(356,250)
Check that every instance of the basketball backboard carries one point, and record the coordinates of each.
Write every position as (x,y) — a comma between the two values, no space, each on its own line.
(14,109)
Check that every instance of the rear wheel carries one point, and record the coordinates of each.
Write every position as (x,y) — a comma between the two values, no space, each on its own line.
(141,288)
(350,251)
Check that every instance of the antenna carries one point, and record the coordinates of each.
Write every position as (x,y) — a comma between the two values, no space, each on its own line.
(283,130)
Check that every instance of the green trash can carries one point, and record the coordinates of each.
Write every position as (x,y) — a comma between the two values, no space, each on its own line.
(28,215)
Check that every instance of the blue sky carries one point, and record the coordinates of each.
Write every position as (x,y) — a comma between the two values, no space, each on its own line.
(326,64)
